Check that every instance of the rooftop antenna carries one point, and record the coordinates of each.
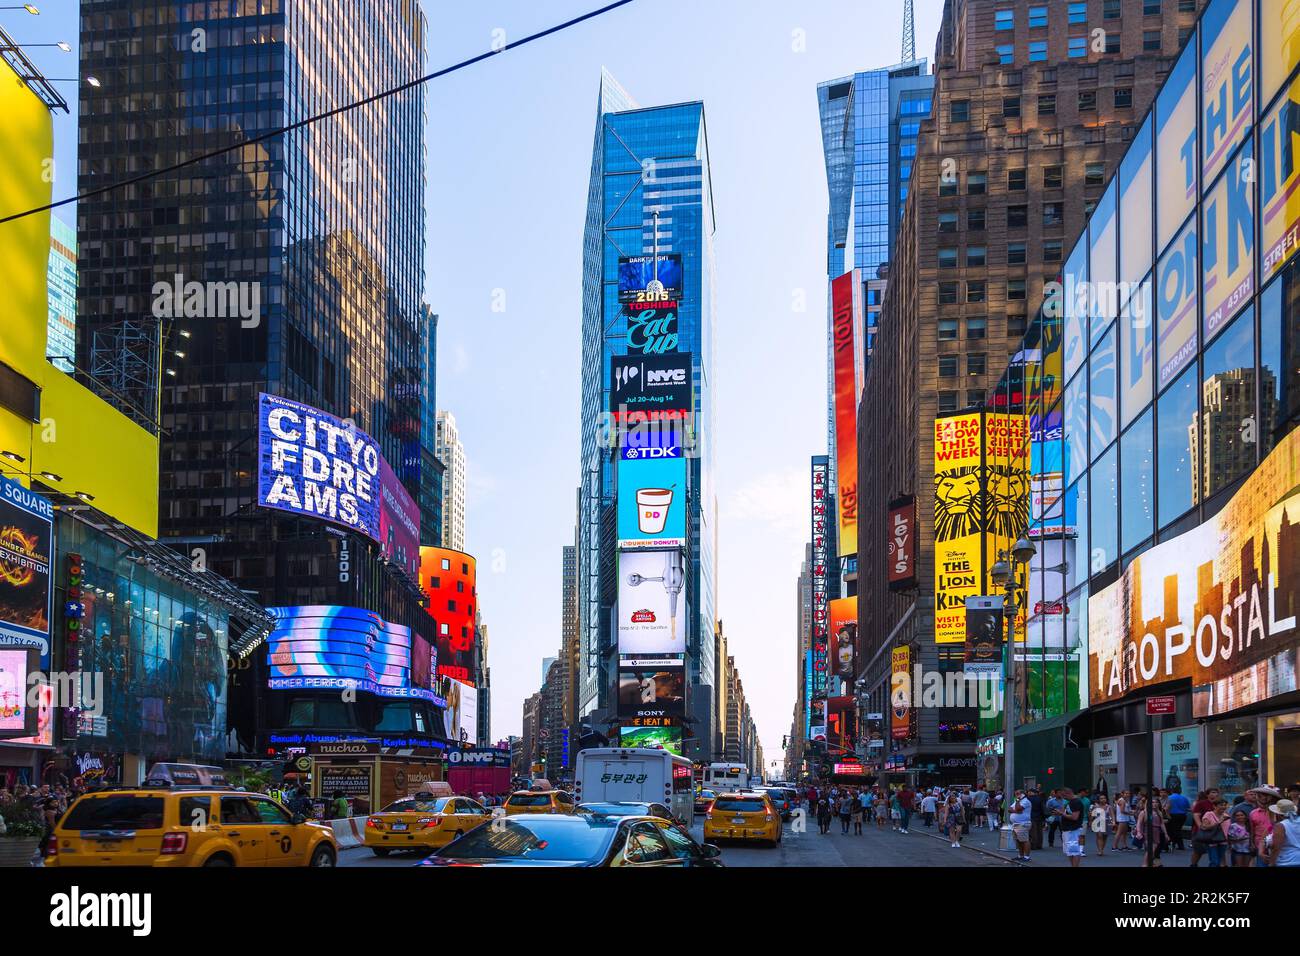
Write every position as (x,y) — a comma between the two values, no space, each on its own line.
(909,33)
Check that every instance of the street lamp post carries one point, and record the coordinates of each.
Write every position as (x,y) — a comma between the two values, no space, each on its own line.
(1005,573)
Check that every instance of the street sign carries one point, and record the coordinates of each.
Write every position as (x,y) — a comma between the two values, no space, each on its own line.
(1160,705)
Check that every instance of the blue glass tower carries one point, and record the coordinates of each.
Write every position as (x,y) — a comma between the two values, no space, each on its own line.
(650,192)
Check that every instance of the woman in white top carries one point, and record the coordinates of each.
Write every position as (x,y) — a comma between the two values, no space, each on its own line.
(1123,821)
(1099,822)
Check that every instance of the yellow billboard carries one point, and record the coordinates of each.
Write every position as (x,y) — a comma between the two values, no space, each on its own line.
(1176,147)
(1279,31)
(1227,90)
(1227,248)
(79,441)
(958,526)
(1279,176)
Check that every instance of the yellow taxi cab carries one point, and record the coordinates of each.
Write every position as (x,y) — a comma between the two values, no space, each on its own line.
(743,815)
(539,801)
(422,822)
(182,825)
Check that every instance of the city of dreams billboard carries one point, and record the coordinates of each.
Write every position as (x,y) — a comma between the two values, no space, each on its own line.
(314,464)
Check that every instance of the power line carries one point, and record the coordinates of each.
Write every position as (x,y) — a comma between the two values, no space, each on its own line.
(300,124)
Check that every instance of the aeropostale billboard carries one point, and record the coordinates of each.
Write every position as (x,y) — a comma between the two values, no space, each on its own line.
(1217,604)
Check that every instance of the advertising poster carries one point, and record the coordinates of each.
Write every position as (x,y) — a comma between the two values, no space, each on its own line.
(329,647)
(1176,148)
(651,500)
(1279,176)
(844,635)
(447,579)
(985,636)
(901,550)
(468,728)
(817,719)
(1227,248)
(1216,605)
(820,573)
(26,548)
(649,387)
(807,695)
(651,603)
(650,687)
(1176,306)
(314,464)
(651,331)
(1279,30)
(846,321)
(841,722)
(654,738)
(650,280)
(900,693)
(958,530)
(1227,90)
(17,719)
(1180,761)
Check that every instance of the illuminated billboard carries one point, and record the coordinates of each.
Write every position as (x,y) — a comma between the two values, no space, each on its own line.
(26,547)
(654,738)
(651,498)
(651,603)
(314,464)
(447,579)
(846,321)
(1228,246)
(1216,605)
(1279,52)
(820,572)
(1176,147)
(651,331)
(901,549)
(844,635)
(17,719)
(650,386)
(1227,82)
(652,687)
(331,647)
(650,280)
(900,693)
(460,713)
(1279,181)
(958,522)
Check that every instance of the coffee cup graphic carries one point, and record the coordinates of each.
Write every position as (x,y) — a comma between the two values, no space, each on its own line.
(652,509)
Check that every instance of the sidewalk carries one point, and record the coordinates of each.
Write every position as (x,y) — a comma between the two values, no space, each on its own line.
(985,841)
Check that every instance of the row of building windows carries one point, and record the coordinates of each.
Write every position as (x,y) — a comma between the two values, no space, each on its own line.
(1086,102)
(1094,174)
(1077,13)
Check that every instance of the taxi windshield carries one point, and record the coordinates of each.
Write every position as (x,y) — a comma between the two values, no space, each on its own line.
(530,800)
(119,812)
(738,805)
(417,805)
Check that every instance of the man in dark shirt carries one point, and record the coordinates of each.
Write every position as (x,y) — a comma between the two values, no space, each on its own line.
(905,801)
(1037,817)
(1072,820)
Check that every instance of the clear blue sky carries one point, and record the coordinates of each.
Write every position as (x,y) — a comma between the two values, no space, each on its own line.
(509,148)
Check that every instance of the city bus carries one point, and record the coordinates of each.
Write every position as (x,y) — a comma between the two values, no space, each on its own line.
(726,777)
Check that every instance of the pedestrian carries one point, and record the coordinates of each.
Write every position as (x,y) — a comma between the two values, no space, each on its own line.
(1038,817)
(846,811)
(1179,806)
(1204,804)
(1053,808)
(1021,814)
(859,810)
(1211,836)
(906,802)
(995,810)
(1261,822)
(824,814)
(1154,833)
(1286,834)
(895,811)
(880,806)
(1072,823)
(339,805)
(980,806)
(1099,822)
(1123,821)
(929,804)
(954,819)
(1240,852)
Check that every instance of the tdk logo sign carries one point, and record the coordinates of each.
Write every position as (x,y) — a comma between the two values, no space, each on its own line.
(634,454)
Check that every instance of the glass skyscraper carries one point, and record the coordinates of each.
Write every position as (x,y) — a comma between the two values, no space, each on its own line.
(61,341)
(650,192)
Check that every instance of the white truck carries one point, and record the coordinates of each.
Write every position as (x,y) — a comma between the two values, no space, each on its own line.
(637,775)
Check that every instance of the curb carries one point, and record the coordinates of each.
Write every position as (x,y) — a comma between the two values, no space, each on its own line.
(995,854)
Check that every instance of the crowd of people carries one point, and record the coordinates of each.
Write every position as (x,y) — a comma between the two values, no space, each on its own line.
(1259,828)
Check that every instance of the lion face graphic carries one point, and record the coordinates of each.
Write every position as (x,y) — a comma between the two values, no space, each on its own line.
(956,504)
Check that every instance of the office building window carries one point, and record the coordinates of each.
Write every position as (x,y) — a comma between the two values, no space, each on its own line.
(1111,9)
(947,329)
(1123,97)
(1038,51)
(1006,53)
(1077,12)
(975,219)
(1046,104)
(1077,46)
(1015,180)
(947,222)
(1017,325)
(959,111)
(1087,101)
(947,366)
(1053,214)
(1052,250)
(1150,8)
(976,364)
(1015,253)
(1151,40)
(1038,16)
(1004,19)
(947,185)
(1010,105)
(976,328)
(1052,177)
(1017,217)
(976,183)
(947,293)
(948,258)
(976,290)
(1094,174)
(1112,42)
(948,401)
(975,255)
(1015,290)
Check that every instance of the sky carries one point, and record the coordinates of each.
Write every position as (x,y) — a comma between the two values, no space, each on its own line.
(509,154)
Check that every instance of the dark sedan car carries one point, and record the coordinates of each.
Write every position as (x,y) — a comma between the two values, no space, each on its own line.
(581,840)
(625,808)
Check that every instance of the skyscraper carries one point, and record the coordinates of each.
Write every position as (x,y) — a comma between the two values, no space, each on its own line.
(306,250)
(649,204)
(452,455)
(61,341)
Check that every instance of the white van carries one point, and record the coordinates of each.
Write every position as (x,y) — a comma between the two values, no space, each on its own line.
(636,775)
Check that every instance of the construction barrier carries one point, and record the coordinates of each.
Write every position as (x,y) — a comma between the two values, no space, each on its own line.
(350,831)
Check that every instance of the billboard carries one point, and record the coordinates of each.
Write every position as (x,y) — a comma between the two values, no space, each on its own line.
(468,726)
(26,549)
(846,324)
(820,574)
(650,687)
(447,579)
(844,634)
(1279,52)
(651,498)
(17,719)
(649,281)
(331,647)
(985,635)
(1176,147)
(1279,176)
(654,738)
(1227,248)
(1216,605)
(1227,82)
(901,550)
(958,522)
(652,331)
(650,386)
(651,603)
(314,464)
(900,693)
